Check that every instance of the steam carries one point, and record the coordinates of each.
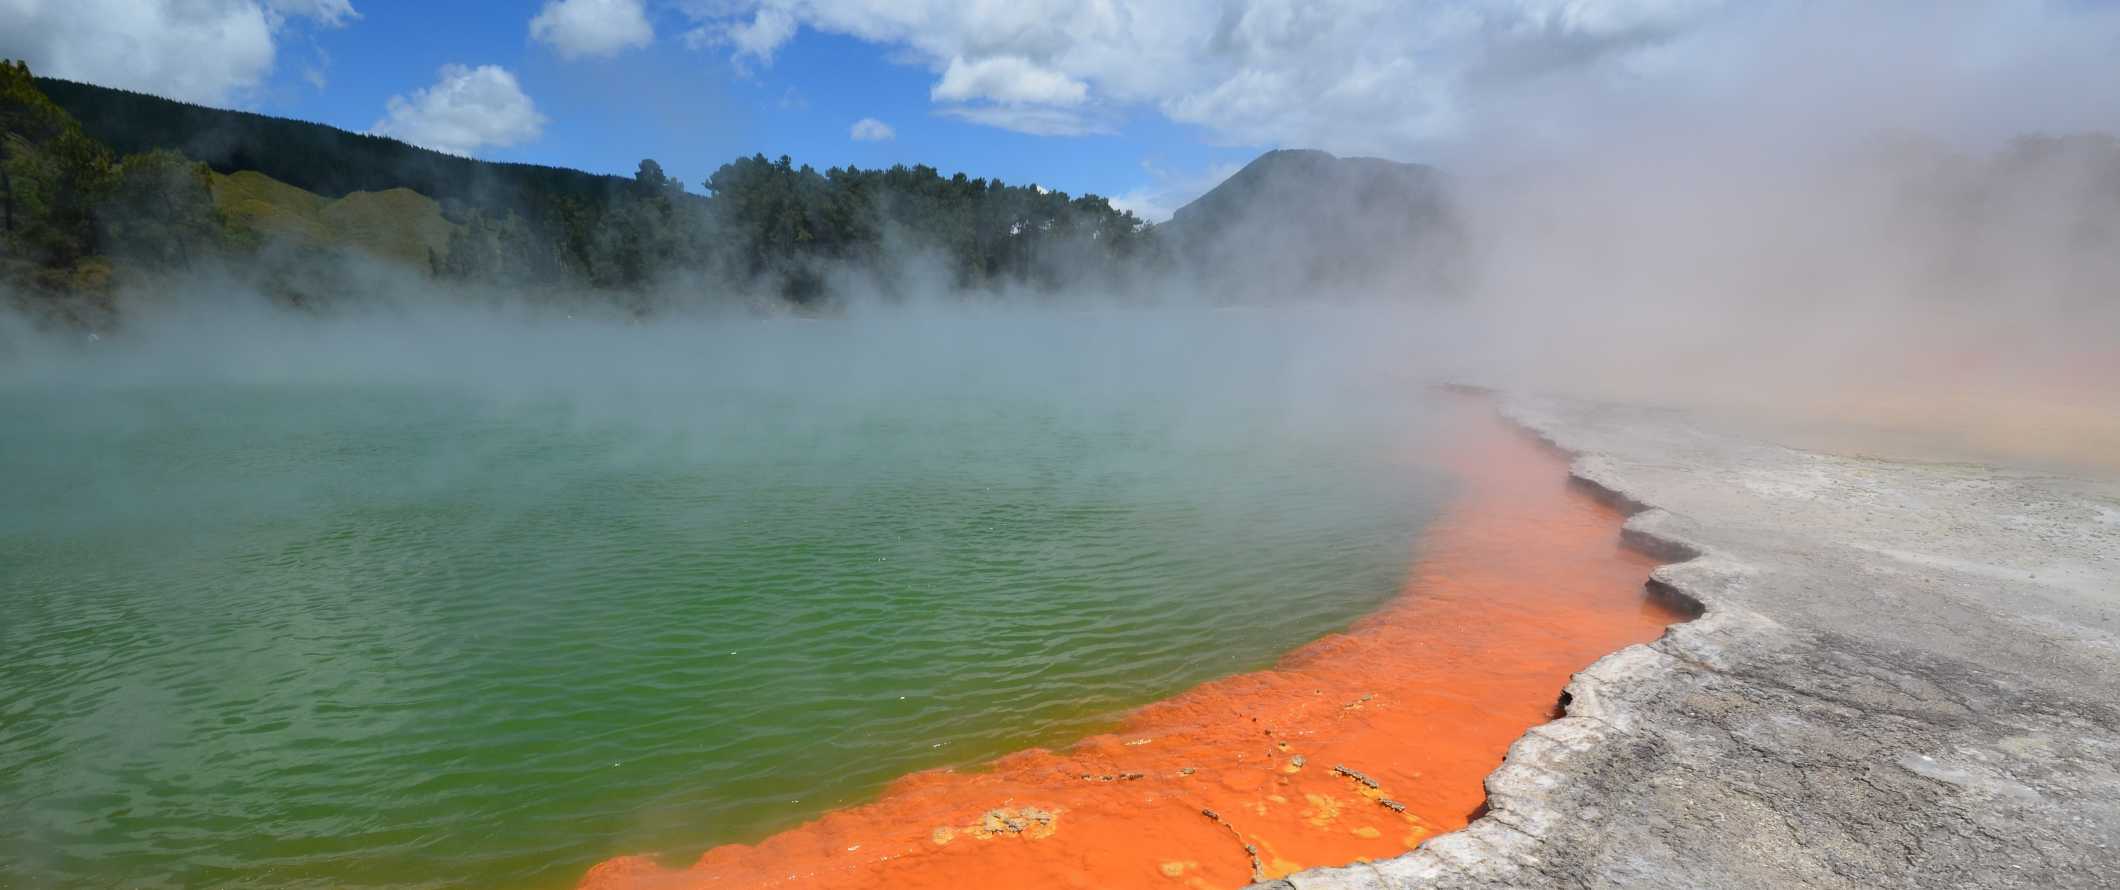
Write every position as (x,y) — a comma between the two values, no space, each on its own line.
(1883,215)
(1841,220)
(1891,214)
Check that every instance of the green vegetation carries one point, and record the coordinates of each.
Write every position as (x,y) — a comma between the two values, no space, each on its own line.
(270,194)
(780,216)
(161,210)
(325,160)
(105,188)
(396,224)
(59,188)
(51,175)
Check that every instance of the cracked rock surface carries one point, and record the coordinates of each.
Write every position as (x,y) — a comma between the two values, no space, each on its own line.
(1905,675)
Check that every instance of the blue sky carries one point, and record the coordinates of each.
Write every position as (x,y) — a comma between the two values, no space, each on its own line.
(693,109)
(1149,102)
(691,104)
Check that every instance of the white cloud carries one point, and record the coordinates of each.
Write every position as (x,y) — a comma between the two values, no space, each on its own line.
(331,13)
(1399,79)
(762,35)
(869,129)
(207,51)
(1006,79)
(465,110)
(590,28)
(1035,120)
(318,70)
(1145,204)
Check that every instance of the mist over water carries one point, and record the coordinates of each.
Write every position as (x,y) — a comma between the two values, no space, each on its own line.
(464,600)
(442,589)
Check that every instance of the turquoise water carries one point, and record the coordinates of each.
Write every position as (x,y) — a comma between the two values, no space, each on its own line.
(294,618)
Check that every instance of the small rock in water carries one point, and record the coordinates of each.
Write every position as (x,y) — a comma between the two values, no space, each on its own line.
(1356,776)
(1030,821)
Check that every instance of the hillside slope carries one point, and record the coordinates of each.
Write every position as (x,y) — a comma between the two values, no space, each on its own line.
(395,224)
(312,156)
(1300,220)
(769,226)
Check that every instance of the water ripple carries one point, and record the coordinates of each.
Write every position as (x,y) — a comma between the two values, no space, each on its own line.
(376,639)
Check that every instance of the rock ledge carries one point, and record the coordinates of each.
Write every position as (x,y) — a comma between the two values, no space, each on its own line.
(1902,675)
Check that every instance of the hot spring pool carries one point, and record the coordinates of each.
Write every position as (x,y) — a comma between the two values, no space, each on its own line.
(306,617)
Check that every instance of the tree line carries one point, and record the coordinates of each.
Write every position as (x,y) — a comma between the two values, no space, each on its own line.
(95,176)
(68,204)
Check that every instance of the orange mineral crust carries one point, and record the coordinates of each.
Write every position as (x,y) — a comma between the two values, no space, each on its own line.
(1358,746)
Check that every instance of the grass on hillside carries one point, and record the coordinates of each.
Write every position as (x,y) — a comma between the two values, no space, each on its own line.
(397,224)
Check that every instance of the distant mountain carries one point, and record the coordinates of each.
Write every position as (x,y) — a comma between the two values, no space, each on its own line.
(1299,177)
(1300,219)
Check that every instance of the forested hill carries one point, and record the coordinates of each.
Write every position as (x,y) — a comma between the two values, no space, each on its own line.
(118,204)
(104,192)
(314,157)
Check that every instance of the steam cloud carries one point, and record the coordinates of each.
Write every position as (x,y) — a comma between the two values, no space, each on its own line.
(1887,214)
(1896,212)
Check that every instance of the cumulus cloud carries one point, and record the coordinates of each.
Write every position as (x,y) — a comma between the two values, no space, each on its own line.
(1014,93)
(1007,79)
(208,51)
(1402,79)
(762,35)
(869,129)
(465,110)
(591,28)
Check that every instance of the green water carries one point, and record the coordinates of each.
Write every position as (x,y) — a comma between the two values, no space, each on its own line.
(323,626)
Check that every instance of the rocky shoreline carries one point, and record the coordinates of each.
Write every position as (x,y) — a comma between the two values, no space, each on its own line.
(1902,675)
